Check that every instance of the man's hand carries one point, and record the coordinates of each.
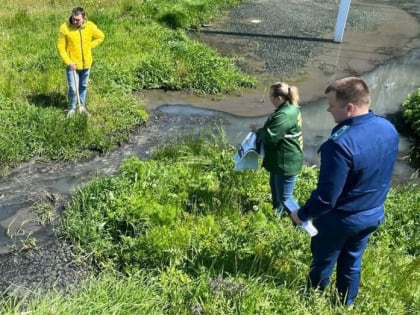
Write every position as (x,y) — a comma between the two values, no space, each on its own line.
(295,218)
(72,66)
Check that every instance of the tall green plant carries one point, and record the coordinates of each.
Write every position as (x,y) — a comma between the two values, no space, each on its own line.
(411,114)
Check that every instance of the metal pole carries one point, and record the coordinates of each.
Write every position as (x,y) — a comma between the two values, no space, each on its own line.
(341,20)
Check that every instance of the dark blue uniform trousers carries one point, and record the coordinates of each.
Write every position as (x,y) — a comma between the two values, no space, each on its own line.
(342,238)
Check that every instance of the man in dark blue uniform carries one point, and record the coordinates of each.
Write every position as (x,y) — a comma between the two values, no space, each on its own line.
(357,162)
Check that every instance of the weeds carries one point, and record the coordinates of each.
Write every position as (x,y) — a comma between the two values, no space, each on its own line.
(185,218)
(411,114)
(146,47)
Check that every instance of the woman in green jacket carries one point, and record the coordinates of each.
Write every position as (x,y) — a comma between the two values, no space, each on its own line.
(282,139)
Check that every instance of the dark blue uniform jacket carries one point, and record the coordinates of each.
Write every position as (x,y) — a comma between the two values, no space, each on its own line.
(356,167)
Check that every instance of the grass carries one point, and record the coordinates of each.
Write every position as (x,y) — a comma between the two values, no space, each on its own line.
(178,235)
(144,49)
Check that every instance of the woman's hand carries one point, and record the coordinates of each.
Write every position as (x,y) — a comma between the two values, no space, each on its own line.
(253,127)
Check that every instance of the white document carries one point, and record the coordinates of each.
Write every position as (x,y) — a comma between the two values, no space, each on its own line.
(247,156)
(306,225)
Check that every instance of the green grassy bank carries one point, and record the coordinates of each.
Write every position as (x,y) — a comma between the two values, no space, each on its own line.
(183,233)
(146,47)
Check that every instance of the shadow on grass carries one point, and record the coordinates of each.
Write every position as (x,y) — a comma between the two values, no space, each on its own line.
(48,100)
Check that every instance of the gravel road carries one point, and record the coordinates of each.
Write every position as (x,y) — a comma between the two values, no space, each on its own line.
(285,35)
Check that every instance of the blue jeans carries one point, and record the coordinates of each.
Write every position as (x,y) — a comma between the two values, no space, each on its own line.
(82,78)
(282,191)
(341,240)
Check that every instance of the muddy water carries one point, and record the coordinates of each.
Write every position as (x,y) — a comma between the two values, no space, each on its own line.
(51,184)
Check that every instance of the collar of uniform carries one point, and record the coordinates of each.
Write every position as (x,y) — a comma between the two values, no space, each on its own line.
(355,120)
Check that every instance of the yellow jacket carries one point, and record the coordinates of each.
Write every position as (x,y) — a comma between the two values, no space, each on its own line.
(75,45)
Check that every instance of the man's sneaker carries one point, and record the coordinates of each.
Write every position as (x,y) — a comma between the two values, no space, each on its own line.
(70,113)
(83,110)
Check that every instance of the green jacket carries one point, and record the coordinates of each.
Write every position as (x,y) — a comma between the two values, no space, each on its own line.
(282,140)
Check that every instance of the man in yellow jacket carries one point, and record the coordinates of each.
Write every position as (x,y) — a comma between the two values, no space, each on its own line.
(76,38)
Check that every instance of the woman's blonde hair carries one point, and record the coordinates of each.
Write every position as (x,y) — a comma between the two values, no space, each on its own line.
(289,92)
